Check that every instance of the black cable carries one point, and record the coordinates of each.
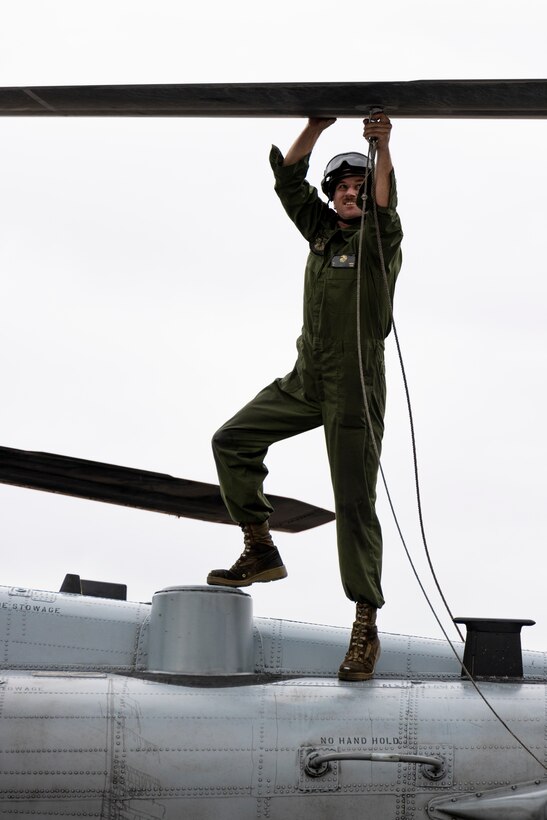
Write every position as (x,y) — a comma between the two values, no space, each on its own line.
(360,271)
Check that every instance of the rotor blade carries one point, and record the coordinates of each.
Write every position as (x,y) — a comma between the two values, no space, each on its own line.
(417,98)
(142,489)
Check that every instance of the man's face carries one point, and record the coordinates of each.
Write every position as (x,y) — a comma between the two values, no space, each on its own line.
(345,197)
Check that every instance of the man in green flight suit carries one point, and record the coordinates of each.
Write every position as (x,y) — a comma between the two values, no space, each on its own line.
(325,386)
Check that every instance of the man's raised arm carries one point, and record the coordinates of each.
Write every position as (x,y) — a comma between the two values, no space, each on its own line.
(379,129)
(304,144)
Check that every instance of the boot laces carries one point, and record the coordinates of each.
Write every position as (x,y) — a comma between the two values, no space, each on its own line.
(363,634)
(247,551)
(361,642)
(246,540)
(245,555)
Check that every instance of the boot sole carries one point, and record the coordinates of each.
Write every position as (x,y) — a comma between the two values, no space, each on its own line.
(357,676)
(262,578)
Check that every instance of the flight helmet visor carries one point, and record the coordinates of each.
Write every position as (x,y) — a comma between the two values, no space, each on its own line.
(343,165)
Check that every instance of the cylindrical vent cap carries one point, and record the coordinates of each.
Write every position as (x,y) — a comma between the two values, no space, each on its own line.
(201,631)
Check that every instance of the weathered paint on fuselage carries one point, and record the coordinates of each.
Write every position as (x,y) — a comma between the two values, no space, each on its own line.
(86,731)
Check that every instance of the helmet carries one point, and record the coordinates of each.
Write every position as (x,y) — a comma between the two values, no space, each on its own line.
(343,165)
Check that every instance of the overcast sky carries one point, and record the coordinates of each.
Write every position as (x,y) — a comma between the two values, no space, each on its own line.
(152,284)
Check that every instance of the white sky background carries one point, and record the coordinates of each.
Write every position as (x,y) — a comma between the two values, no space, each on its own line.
(151,284)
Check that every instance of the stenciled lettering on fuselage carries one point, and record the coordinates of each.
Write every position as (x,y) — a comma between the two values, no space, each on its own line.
(359,740)
(44,610)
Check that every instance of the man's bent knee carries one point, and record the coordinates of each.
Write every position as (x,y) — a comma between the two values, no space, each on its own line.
(221,440)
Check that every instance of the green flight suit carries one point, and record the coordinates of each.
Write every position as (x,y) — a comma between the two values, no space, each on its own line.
(324,388)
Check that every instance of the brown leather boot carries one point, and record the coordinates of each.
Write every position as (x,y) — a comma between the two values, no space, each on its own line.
(259,562)
(364,646)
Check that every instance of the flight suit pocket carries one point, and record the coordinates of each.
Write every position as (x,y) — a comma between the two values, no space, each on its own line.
(351,406)
(351,403)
